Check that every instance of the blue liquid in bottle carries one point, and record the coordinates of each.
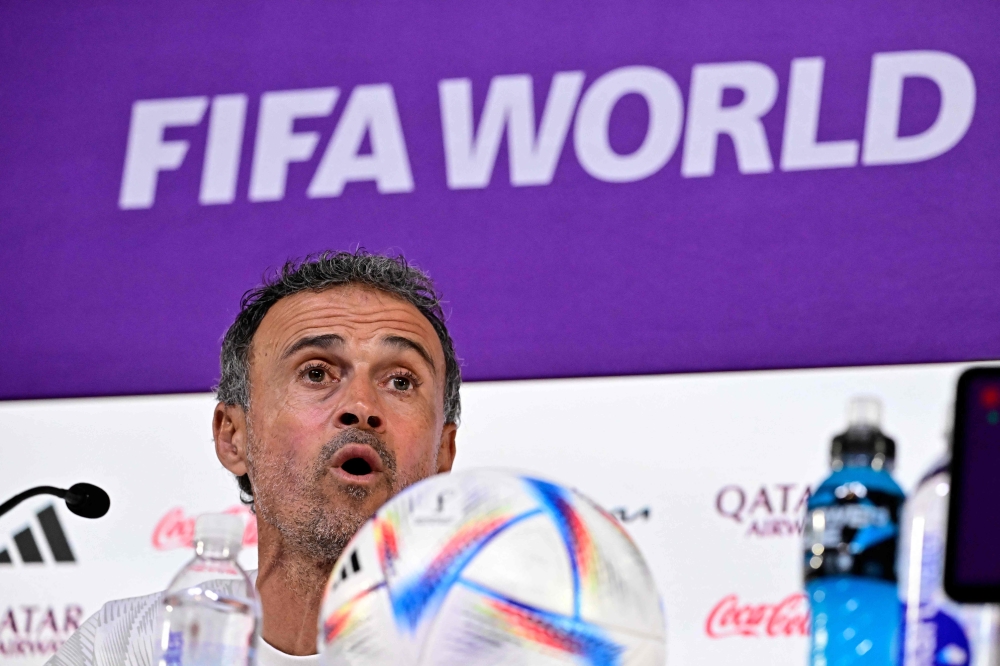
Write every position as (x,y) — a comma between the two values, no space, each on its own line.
(851,535)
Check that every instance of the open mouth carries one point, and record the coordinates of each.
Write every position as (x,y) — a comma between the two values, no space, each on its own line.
(357,467)
(356,463)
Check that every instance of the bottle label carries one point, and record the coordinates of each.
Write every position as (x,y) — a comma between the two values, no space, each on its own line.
(938,640)
(204,653)
(852,529)
(172,656)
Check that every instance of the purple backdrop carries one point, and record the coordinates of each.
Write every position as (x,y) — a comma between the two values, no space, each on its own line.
(860,265)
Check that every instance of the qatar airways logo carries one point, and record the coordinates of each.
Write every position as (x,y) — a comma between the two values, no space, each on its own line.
(732,617)
(768,510)
(36,630)
(368,141)
(176,529)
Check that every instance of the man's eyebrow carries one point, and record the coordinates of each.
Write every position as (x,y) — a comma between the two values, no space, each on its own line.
(399,342)
(324,341)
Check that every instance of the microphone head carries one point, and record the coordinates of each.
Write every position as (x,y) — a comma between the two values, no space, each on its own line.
(87,500)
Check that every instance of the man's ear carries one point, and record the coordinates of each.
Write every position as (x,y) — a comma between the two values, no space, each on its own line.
(446,450)
(229,428)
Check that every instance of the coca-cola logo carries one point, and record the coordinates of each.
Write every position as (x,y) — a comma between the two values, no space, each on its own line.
(176,528)
(770,510)
(29,630)
(731,617)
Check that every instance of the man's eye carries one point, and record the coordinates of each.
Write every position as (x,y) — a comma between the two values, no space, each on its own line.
(316,374)
(401,383)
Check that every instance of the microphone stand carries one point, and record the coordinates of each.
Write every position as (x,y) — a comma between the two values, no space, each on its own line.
(83,499)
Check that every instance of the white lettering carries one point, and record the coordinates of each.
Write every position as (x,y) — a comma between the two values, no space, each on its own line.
(470,157)
(534,151)
(370,110)
(799,148)
(222,154)
(707,118)
(591,133)
(277,144)
(883,145)
(147,153)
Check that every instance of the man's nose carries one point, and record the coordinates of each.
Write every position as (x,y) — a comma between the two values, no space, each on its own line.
(360,407)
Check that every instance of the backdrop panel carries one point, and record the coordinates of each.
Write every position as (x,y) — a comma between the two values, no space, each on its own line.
(598,188)
(708,473)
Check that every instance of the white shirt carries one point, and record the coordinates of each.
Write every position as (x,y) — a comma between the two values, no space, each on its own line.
(122,633)
(272,656)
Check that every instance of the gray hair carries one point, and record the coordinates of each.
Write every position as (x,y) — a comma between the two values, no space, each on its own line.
(392,275)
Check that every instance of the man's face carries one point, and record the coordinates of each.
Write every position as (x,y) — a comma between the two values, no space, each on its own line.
(346,410)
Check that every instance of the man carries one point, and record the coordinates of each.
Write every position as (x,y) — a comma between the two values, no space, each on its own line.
(339,388)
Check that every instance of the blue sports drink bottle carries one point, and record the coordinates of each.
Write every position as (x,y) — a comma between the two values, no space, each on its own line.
(851,535)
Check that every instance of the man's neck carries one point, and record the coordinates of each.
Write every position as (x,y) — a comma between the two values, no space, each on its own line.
(291,587)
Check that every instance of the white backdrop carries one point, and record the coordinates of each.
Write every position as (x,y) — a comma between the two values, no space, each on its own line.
(708,471)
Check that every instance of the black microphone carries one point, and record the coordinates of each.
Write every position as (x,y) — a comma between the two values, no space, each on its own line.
(83,499)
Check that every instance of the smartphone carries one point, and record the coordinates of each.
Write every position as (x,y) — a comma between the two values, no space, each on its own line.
(972,553)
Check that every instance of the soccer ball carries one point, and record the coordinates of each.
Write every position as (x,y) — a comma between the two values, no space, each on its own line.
(487,567)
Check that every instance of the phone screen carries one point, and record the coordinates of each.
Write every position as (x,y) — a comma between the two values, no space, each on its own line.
(972,563)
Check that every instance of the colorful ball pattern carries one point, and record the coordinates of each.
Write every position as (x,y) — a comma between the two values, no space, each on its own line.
(488,567)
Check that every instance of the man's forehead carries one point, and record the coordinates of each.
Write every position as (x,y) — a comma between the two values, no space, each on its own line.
(351,311)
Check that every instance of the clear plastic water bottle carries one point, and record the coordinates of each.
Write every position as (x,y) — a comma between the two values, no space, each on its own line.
(935,630)
(851,534)
(210,612)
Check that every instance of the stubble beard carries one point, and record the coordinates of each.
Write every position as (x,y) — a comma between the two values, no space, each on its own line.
(290,497)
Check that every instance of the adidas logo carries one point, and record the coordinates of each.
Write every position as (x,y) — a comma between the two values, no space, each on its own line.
(27,547)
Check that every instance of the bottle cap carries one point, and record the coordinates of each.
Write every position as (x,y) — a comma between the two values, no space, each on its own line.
(949,428)
(864,436)
(222,528)
(864,411)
